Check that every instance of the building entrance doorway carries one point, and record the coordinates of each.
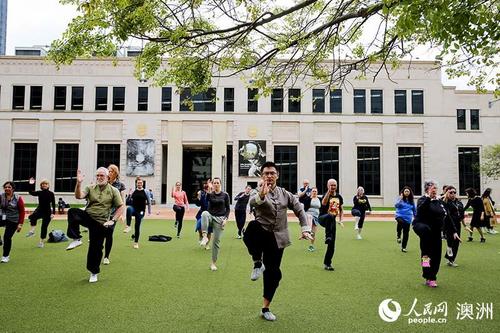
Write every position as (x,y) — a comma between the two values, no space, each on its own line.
(196,169)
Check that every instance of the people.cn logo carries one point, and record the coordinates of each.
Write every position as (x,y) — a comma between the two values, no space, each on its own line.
(387,314)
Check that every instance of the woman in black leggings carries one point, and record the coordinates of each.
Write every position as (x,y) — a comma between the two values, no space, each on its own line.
(114,180)
(46,200)
(140,199)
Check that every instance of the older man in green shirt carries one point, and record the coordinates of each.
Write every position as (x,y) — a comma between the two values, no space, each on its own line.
(102,198)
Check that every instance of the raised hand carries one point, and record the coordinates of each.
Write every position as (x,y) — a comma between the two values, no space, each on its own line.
(32,181)
(79,176)
(264,190)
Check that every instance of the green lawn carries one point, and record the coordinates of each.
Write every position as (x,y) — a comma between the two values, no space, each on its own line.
(168,287)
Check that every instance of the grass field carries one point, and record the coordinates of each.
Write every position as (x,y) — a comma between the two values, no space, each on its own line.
(168,287)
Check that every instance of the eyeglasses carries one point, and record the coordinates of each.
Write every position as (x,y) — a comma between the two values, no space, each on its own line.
(271,173)
(452,192)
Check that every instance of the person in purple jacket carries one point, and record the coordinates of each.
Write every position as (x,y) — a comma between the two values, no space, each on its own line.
(405,212)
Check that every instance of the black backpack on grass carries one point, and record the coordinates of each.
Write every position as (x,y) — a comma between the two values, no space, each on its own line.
(159,238)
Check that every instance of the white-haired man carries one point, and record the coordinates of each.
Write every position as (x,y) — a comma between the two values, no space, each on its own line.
(102,198)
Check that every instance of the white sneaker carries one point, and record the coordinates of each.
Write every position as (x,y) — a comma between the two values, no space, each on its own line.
(5,259)
(136,245)
(106,261)
(449,251)
(41,245)
(207,247)
(204,241)
(73,244)
(358,236)
(93,278)
(494,232)
(127,229)
(213,267)
(257,272)
(268,316)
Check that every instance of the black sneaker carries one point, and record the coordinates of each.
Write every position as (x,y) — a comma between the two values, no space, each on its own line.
(483,240)
(329,268)
(328,240)
(470,239)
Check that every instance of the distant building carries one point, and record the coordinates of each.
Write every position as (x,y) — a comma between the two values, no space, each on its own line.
(32,51)
(3,26)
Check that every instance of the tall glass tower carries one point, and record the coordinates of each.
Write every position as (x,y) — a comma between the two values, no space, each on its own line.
(3,26)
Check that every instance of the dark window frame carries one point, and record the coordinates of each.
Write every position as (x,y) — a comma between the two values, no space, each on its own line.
(142,98)
(60,93)
(369,169)
(410,168)
(252,101)
(277,100)
(36,97)
(228,99)
(202,102)
(101,98)
(318,100)
(359,101)
(166,99)
(108,153)
(336,101)
(400,103)
(468,169)
(118,99)
(66,166)
(461,119)
(18,95)
(294,100)
(76,99)
(417,102)
(25,155)
(327,166)
(288,169)
(377,101)
(474,120)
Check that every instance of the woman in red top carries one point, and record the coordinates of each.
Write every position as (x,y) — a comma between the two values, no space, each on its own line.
(11,216)
(181,205)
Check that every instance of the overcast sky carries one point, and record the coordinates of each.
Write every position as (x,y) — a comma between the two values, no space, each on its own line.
(38,22)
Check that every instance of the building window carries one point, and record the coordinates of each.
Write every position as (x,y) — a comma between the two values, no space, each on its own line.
(410,168)
(327,166)
(24,165)
(36,97)
(66,167)
(18,98)
(204,101)
(468,169)
(417,101)
(108,154)
(474,119)
(142,99)
(400,101)
(461,119)
(166,99)
(77,98)
(369,169)
(285,158)
(319,100)
(252,101)
(293,100)
(277,100)
(377,101)
(228,99)
(118,98)
(59,98)
(336,101)
(101,98)
(359,101)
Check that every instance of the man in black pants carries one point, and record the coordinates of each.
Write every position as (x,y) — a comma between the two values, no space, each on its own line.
(267,236)
(102,198)
(331,208)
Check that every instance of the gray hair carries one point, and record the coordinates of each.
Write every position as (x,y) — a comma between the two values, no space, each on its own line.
(103,169)
(428,184)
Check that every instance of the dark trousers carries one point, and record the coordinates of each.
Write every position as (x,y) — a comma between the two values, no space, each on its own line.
(108,237)
(45,216)
(434,248)
(328,221)
(241,216)
(10,230)
(361,214)
(179,216)
(261,245)
(97,232)
(453,243)
(405,227)
(138,219)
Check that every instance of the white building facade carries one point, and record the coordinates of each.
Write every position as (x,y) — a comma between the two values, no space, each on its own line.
(381,134)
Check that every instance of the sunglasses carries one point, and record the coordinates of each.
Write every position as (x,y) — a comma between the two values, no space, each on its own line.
(453,192)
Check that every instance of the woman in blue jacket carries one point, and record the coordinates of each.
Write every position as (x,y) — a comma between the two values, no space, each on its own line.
(405,212)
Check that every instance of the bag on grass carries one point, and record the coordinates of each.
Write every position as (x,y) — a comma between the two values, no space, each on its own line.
(56,236)
(159,238)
